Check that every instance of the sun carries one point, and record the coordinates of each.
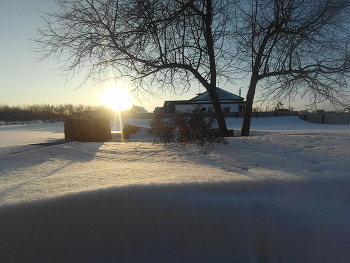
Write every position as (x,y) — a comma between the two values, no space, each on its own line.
(116,98)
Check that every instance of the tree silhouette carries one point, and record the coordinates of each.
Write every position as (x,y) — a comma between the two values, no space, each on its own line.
(293,47)
(161,45)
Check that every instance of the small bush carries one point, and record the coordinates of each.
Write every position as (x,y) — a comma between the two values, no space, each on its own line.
(87,130)
(163,129)
(187,127)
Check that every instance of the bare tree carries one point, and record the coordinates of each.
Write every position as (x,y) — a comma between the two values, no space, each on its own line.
(161,45)
(293,47)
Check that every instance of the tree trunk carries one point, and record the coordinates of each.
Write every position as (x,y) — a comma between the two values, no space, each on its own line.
(249,106)
(211,88)
(218,111)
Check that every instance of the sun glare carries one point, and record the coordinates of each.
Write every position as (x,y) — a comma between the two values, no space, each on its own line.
(116,98)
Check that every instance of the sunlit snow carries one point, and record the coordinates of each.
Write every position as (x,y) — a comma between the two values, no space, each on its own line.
(280,195)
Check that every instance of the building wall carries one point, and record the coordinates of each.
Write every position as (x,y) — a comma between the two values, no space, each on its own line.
(232,107)
(184,107)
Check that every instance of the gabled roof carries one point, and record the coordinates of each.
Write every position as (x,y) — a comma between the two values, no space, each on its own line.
(222,94)
(138,109)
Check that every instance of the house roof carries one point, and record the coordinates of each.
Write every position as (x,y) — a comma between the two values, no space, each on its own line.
(138,109)
(222,94)
(225,97)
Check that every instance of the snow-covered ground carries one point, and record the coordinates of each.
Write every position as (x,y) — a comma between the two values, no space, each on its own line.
(280,195)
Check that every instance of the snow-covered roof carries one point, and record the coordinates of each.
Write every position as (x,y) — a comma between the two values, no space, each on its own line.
(222,94)
(138,109)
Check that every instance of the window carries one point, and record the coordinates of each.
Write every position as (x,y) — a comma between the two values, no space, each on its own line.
(204,109)
(226,109)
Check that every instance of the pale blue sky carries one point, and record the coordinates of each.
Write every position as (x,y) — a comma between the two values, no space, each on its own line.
(24,80)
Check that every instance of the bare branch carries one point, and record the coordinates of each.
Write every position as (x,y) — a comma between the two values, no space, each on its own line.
(295,46)
(162,45)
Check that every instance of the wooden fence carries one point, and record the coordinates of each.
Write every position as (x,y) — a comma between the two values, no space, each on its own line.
(326,118)
(227,114)
(321,118)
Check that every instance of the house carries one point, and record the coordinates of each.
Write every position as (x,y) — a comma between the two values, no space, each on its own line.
(230,103)
(158,109)
(138,109)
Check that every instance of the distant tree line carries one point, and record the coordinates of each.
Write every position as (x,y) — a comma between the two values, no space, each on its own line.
(42,112)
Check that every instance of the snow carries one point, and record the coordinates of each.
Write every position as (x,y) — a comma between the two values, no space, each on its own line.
(280,195)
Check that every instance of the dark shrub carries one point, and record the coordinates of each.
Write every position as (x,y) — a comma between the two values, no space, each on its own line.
(187,127)
(163,129)
(87,130)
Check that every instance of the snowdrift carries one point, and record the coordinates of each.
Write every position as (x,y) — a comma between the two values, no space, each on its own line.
(231,222)
(280,195)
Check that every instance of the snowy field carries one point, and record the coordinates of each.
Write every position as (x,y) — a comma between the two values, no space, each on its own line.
(280,195)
